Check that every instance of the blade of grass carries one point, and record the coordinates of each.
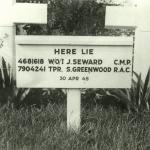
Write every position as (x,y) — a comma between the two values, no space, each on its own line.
(146,83)
(137,76)
(138,90)
(1,79)
(5,73)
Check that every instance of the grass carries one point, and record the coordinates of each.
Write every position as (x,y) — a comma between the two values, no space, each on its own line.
(45,129)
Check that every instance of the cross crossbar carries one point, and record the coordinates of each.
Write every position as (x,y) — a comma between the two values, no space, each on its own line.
(120,17)
(11,13)
(22,13)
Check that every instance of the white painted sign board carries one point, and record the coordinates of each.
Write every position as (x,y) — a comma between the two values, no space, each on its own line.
(73,62)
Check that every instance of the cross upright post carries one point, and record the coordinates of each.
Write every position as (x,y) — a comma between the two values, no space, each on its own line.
(142,38)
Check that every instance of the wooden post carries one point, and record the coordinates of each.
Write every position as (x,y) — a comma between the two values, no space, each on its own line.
(73,109)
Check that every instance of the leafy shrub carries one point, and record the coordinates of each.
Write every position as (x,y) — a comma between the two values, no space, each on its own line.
(8,91)
(42,97)
(6,79)
(6,82)
(138,97)
(95,97)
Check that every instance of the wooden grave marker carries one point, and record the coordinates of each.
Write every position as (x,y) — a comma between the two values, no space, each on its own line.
(74,62)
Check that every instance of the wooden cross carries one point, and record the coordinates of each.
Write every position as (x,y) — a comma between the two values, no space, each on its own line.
(11,13)
(138,18)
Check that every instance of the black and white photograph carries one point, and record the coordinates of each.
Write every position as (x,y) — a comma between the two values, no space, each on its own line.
(74,75)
